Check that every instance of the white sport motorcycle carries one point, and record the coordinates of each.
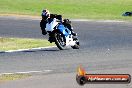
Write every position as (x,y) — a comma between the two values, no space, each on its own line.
(61,35)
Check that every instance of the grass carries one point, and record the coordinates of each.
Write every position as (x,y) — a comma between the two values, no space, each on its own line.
(88,9)
(9,77)
(22,43)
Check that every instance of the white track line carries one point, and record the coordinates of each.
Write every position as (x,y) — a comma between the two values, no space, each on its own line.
(86,20)
(27,72)
(39,18)
(21,50)
(116,21)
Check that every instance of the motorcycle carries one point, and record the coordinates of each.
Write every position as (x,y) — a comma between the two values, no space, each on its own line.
(61,35)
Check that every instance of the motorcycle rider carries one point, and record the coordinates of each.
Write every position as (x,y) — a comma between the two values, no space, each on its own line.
(46,15)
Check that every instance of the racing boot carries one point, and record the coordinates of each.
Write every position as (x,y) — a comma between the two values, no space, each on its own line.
(44,32)
(51,38)
(73,33)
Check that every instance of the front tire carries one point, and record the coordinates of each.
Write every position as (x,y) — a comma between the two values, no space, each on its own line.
(60,41)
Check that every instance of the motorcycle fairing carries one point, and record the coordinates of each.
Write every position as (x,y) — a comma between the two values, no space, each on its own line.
(63,29)
(50,25)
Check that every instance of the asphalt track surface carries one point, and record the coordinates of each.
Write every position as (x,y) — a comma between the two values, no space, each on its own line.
(106,47)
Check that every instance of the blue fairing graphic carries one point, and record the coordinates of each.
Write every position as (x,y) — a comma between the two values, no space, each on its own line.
(64,30)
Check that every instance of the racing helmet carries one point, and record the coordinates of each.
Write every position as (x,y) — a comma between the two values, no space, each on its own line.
(45,14)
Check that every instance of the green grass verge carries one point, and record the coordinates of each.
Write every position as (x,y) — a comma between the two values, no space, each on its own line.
(22,43)
(9,77)
(89,9)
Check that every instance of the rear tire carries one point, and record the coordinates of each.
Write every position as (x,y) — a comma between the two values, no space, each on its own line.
(60,41)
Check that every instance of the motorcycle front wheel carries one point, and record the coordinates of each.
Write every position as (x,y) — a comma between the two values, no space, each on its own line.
(60,41)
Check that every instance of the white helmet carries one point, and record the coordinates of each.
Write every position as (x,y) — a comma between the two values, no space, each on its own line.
(45,13)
